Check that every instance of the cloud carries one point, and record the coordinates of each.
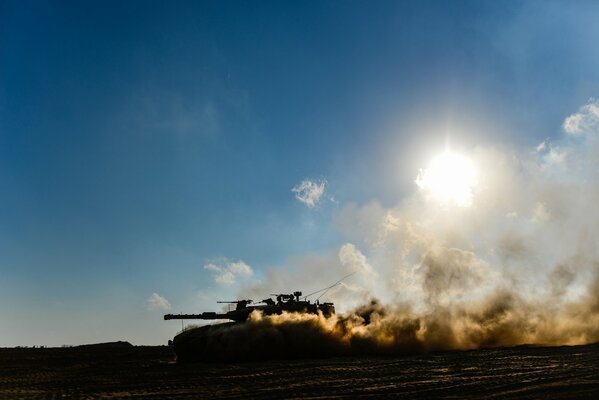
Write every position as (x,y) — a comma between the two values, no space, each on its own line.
(585,120)
(156,302)
(226,273)
(550,156)
(542,146)
(309,191)
(351,258)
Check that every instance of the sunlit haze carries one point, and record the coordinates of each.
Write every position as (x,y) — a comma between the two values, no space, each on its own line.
(450,178)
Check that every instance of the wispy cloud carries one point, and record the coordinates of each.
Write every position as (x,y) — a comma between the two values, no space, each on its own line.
(550,155)
(310,191)
(541,147)
(353,259)
(227,273)
(157,302)
(585,120)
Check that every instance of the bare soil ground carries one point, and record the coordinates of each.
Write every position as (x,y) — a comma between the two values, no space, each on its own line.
(152,373)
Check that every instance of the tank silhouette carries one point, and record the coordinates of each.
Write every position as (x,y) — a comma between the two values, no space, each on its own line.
(243,308)
(194,344)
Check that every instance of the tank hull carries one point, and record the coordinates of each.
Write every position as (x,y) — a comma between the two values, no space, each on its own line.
(195,344)
(247,341)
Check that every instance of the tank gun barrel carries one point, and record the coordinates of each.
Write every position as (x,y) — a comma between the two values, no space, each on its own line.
(234,302)
(204,315)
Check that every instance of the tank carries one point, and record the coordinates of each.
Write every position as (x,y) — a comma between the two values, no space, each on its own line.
(195,344)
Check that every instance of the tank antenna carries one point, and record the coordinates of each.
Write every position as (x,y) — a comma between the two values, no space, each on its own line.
(329,287)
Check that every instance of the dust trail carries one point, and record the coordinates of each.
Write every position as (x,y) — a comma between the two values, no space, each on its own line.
(519,265)
(503,319)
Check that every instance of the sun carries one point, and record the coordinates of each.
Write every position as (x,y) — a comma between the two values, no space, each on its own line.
(449,178)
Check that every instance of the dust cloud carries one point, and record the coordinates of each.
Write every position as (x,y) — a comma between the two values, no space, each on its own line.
(520,265)
(503,319)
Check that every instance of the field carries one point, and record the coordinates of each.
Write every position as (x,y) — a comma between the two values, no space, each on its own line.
(124,371)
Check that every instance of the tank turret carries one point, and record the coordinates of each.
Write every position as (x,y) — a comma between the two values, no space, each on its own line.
(243,308)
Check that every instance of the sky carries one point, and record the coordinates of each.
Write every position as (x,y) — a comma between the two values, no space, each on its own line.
(159,156)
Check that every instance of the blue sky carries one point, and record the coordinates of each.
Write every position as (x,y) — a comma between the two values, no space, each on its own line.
(141,141)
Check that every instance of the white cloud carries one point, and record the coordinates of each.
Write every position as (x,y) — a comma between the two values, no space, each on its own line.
(309,191)
(157,302)
(353,259)
(556,156)
(585,120)
(542,146)
(226,273)
(550,155)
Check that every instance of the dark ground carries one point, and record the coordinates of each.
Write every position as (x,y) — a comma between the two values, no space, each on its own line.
(150,372)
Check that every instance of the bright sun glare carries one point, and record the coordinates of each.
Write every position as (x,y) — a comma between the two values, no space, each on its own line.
(449,178)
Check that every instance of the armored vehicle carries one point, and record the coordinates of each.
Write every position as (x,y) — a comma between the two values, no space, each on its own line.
(243,308)
(199,343)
